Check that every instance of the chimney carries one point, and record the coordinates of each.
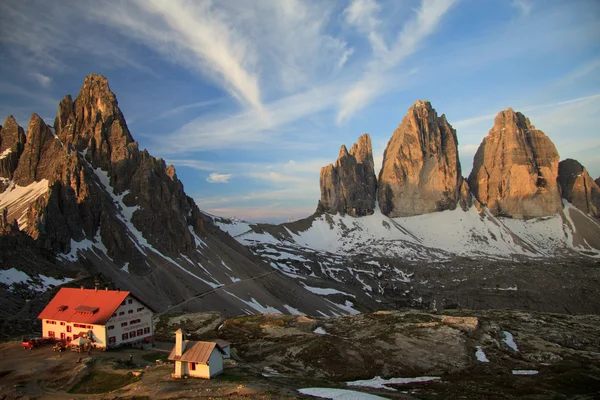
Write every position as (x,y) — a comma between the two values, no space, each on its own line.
(106,288)
(96,284)
(179,342)
(82,287)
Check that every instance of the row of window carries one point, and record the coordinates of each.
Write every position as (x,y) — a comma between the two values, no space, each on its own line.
(82,326)
(133,334)
(128,312)
(132,322)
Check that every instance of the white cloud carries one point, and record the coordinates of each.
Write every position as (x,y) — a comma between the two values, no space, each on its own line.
(42,79)
(523,6)
(409,39)
(218,178)
(363,15)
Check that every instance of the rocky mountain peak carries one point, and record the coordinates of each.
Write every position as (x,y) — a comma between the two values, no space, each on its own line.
(39,155)
(421,171)
(349,186)
(12,143)
(515,169)
(578,188)
(94,121)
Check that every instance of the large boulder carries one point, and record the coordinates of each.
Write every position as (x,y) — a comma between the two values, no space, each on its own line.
(578,187)
(349,186)
(515,169)
(421,171)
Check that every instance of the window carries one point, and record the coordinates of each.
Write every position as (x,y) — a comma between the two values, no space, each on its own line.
(110,328)
(130,312)
(51,334)
(54,322)
(140,309)
(124,336)
(122,313)
(124,324)
(146,330)
(62,323)
(130,301)
(62,336)
(193,366)
(115,314)
(112,340)
(123,303)
(140,332)
(132,334)
(68,328)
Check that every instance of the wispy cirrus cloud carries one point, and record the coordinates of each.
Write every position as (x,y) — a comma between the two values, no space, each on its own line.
(386,58)
(524,6)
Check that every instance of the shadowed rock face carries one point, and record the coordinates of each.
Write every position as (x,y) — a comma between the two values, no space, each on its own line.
(349,186)
(578,188)
(515,169)
(421,171)
(12,143)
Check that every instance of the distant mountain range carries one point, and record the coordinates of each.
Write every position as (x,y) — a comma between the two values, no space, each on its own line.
(79,198)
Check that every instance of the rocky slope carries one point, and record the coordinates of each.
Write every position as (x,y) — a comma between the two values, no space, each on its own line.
(421,171)
(85,192)
(515,169)
(349,186)
(578,188)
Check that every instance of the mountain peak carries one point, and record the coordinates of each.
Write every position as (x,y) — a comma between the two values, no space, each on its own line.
(515,169)
(349,186)
(421,171)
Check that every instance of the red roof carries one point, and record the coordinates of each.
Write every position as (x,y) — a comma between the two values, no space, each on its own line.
(88,306)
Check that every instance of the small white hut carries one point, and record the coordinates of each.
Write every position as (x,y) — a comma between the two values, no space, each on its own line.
(196,359)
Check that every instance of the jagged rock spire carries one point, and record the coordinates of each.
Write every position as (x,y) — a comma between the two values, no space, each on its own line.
(578,188)
(12,143)
(349,186)
(515,169)
(421,171)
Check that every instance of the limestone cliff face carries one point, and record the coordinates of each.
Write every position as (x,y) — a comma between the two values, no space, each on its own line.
(421,171)
(12,143)
(94,169)
(349,186)
(40,153)
(578,188)
(515,169)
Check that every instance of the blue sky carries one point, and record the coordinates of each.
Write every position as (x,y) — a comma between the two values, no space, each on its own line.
(248,99)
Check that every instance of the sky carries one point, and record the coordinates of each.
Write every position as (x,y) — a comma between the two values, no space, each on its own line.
(250,98)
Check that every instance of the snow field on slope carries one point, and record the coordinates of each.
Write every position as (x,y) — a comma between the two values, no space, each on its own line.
(17,199)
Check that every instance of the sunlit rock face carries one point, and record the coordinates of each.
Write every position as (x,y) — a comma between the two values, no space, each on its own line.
(515,169)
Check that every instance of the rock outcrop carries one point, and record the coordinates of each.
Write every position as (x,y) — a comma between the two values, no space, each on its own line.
(515,169)
(578,188)
(12,143)
(40,153)
(349,186)
(421,171)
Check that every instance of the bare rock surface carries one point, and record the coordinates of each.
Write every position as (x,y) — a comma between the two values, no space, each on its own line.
(12,143)
(349,186)
(515,169)
(578,187)
(421,171)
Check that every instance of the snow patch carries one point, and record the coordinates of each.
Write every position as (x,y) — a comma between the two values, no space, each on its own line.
(338,394)
(510,341)
(17,199)
(320,331)
(380,383)
(292,310)
(324,291)
(5,153)
(524,372)
(256,305)
(13,275)
(481,355)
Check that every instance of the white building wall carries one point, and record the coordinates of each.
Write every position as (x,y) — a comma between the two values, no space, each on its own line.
(101,332)
(123,316)
(213,368)
(67,330)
